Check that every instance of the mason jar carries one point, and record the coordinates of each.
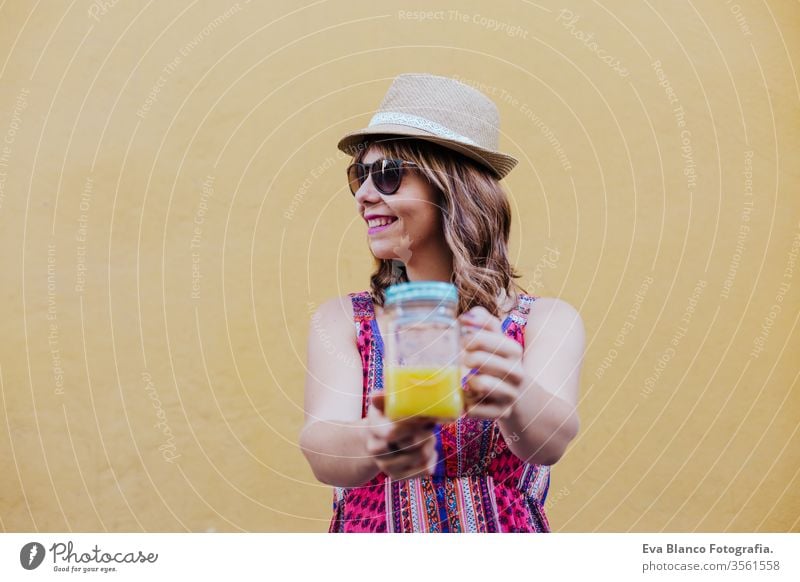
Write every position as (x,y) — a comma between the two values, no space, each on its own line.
(422,369)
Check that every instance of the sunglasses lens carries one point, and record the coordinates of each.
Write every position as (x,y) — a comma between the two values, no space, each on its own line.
(387,176)
(356,174)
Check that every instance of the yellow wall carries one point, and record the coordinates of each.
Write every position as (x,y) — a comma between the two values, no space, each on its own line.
(241,138)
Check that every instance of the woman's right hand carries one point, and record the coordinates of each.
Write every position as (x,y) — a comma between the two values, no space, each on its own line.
(401,449)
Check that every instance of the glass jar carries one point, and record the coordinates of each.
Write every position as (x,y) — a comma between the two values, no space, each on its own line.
(422,371)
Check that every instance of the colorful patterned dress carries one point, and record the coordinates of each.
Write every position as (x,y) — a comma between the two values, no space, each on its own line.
(479,485)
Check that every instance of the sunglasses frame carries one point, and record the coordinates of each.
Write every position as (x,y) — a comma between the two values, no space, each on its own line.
(372,167)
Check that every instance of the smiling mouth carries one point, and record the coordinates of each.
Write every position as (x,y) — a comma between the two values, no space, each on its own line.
(375,229)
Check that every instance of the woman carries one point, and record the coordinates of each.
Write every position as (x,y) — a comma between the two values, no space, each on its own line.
(425,178)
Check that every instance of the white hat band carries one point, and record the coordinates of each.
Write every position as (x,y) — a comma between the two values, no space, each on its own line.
(420,123)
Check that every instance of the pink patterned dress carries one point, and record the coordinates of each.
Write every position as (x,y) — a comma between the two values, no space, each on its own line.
(479,485)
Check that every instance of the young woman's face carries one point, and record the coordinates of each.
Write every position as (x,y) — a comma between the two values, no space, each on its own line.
(414,209)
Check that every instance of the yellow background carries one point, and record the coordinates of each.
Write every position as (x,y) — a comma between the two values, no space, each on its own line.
(162,129)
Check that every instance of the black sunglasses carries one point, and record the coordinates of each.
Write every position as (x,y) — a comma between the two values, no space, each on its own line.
(387,174)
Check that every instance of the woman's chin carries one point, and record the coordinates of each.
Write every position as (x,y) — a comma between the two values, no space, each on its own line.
(383,250)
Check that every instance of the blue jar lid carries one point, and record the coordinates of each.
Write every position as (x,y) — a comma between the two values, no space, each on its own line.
(422,290)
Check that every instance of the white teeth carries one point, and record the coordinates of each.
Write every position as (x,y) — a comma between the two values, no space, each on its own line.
(380,221)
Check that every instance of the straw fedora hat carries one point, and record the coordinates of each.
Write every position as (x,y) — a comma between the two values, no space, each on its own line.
(440,110)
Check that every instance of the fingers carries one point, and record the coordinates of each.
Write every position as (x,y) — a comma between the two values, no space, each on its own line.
(419,463)
(480,318)
(488,349)
(488,397)
(389,431)
(491,342)
(404,448)
(387,438)
(481,389)
(398,447)
(507,370)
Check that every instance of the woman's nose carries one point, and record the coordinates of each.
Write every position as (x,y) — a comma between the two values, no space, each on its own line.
(367,192)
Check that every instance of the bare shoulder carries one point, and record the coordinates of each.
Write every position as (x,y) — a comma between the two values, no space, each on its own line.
(336,313)
(333,386)
(553,316)
(554,347)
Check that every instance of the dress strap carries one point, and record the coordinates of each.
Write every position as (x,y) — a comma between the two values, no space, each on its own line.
(519,314)
(363,309)
(370,346)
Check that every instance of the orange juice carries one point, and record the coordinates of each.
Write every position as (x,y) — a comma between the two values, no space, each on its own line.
(423,391)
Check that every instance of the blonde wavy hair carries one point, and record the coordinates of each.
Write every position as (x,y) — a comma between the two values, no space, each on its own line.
(476,220)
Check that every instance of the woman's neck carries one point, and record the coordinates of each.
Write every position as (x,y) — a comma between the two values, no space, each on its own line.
(438,269)
(426,260)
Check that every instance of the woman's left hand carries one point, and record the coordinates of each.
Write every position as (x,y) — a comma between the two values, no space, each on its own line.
(495,359)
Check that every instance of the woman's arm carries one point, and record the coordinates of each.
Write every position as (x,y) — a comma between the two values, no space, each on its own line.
(544,418)
(334,436)
(336,452)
